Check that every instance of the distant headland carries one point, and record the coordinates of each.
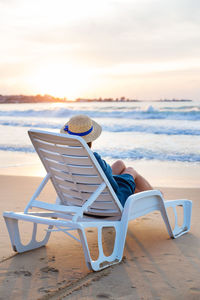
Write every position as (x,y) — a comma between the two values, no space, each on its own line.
(51,99)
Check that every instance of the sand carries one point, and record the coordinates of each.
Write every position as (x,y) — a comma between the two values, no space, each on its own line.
(154,266)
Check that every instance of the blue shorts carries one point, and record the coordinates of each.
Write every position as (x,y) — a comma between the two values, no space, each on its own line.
(126,187)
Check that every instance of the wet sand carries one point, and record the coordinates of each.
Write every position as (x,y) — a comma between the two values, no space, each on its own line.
(154,266)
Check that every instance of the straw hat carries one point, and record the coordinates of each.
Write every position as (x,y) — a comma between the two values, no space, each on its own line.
(83,126)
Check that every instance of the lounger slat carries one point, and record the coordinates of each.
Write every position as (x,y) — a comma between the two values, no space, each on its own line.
(84,170)
(102,213)
(103,205)
(56,165)
(77,160)
(88,179)
(78,151)
(60,149)
(58,179)
(87,187)
(104,198)
(55,156)
(73,160)
(72,151)
(60,174)
(56,139)
(82,187)
(69,149)
(70,192)
(72,200)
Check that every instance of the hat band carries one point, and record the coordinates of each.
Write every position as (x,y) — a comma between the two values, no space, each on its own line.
(78,133)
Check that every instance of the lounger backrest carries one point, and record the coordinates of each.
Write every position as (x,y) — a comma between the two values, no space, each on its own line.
(75,172)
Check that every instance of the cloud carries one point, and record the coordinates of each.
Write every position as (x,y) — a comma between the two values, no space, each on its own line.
(135,31)
(98,34)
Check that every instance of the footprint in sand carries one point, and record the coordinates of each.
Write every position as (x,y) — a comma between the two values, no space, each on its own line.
(51,259)
(149,271)
(46,289)
(49,269)
(103,296)
(21,272)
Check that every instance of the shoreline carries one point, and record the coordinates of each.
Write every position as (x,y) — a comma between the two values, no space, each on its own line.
(154,266)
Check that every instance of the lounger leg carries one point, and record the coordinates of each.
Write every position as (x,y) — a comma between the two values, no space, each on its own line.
(102,261)
(13,229)
(166,221)
(187,211)
(86,250)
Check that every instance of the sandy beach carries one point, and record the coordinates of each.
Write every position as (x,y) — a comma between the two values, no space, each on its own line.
(154,266)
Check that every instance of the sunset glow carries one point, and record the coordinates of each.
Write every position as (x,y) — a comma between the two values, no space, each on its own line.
(60,81)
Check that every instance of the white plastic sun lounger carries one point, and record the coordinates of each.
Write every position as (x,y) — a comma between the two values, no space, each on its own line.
(84,193)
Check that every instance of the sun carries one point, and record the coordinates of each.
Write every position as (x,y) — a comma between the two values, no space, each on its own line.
(60,81)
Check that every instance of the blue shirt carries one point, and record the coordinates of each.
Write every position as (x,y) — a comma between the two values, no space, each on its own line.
(123,185)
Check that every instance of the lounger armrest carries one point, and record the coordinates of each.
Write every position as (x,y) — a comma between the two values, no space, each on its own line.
(145,202)
(142,203)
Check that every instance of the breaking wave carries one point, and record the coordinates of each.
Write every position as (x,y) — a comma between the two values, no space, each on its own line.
(181,113)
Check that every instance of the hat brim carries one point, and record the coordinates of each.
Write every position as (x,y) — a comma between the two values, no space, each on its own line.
(92,136)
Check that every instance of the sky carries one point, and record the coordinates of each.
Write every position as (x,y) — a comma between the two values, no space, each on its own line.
(138,49)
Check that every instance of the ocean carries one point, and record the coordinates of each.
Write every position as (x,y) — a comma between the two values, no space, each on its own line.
(155,137)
